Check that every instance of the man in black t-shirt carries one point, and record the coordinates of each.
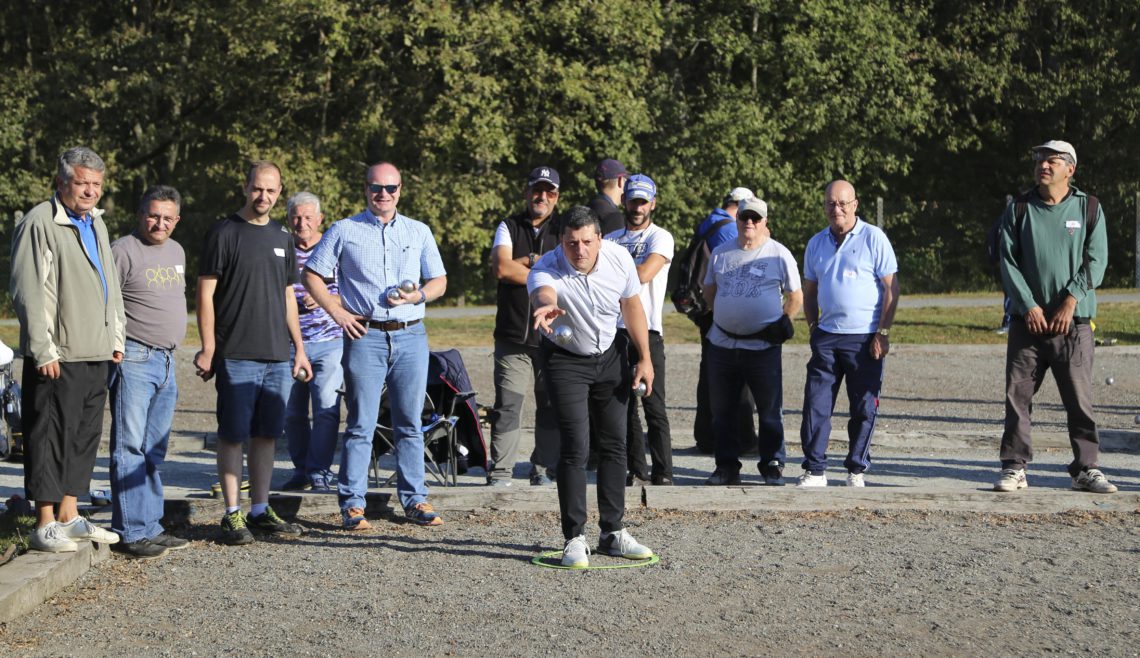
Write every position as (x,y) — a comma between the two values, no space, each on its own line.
(247,317)
(609,179)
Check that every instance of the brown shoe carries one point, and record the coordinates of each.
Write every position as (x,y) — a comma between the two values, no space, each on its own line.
(354,519)
(423,514)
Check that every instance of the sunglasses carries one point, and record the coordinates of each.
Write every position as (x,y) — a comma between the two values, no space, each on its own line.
(390,189)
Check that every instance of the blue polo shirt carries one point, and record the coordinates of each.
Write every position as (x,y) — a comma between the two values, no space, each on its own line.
(849,277)
(85,223)
(372,257)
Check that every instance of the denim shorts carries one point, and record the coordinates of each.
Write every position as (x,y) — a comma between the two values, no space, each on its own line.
(251,398)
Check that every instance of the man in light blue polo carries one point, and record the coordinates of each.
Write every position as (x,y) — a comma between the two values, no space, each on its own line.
(384,337)
(850,294)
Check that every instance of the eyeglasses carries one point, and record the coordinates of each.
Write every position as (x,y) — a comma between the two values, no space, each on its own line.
(842,205)
(161,219)
(390,189)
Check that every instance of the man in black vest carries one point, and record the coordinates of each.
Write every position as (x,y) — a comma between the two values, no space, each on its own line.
(519,241)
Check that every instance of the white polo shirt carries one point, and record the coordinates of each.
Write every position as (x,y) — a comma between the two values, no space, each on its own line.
(640,244)
(592,301)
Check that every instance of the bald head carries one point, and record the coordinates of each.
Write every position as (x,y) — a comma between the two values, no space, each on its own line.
(839,205)
(382,187)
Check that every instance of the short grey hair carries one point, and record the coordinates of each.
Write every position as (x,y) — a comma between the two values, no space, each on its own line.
(159,193)
(579,217)
(302,199)
(78,156)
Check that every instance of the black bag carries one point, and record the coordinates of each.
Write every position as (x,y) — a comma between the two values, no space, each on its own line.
(688,297)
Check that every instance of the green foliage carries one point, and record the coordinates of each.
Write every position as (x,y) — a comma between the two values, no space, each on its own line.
(930,104)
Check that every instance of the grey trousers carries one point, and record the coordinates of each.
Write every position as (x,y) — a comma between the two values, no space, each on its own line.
(517,369)
(1070,357)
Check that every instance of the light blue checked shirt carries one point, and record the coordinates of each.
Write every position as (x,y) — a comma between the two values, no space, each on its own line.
(373,257)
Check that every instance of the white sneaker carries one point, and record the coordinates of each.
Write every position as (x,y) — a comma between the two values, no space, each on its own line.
(622,544)
(51,539)
(1093,480)
(1014,479)
(576,554)
(855,480)
(83,530)
(807,480)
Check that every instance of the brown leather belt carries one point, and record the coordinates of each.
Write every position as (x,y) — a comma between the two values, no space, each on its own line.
(390,325)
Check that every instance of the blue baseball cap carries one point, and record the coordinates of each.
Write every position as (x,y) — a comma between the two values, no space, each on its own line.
(640,186)
(542,175)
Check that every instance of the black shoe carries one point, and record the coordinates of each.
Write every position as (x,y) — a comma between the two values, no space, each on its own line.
(234,532)
(662,481)
(633,478)
(271,524)
(143,549)
(772,473)
(170,541)
(723,477)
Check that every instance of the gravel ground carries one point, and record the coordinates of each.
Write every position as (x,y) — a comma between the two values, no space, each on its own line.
(857,583)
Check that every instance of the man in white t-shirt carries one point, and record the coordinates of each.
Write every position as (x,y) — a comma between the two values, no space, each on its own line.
(753,287)
(652,250)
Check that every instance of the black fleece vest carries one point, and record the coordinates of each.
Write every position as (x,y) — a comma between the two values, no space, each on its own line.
(512,320)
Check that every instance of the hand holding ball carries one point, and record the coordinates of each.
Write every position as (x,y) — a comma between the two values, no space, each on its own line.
(407,285)
(394,295)
(641,390)
(563,335)
(301,375)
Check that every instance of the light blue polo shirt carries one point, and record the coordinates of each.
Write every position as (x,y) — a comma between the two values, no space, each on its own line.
(372,258)
(592,301)
(849,277)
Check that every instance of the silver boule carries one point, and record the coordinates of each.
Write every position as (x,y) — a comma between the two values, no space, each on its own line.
(301,375)
(563,335)
(407,285)
(394,294)
(641,390)
(1110,380)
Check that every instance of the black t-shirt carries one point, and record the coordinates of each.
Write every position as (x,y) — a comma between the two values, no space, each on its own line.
(612,216)
(255,266)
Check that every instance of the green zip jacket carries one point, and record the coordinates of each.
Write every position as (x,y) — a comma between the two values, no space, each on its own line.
(57,293)
(1052,254)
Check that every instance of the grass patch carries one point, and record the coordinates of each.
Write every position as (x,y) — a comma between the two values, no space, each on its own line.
(15,530)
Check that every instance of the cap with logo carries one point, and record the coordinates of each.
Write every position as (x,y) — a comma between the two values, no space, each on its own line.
(754,206)
(640,186)
(609,169)
(542,175)
(1057,146)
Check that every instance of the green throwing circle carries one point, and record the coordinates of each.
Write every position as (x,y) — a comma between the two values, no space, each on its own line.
(543,560)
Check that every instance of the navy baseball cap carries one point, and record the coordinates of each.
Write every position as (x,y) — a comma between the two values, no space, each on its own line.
(542,175)
(640,186)
(609,169)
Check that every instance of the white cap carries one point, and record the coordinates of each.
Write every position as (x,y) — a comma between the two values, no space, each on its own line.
(753,205)
(738,194)
(1057,146)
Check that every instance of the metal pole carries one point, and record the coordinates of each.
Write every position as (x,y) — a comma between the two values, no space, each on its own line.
(1136,250)
(879,211)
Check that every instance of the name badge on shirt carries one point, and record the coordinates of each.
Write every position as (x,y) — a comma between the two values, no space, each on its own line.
(758,271)
(850,274)
(1072,225)
(179,269)
(280,252)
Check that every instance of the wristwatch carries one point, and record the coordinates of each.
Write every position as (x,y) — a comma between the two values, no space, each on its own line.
(885,333)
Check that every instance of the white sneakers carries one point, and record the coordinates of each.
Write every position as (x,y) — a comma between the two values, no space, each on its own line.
(1093,480)
(576,554)
(807,480)
(1013,479)
(81,529)
(52,539)
(855,480)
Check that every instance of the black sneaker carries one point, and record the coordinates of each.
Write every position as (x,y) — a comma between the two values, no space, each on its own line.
(772,473)
(143,549)
(271,524)
(662,481)
(633,478)
(170,541)
(234,532)
(723,477)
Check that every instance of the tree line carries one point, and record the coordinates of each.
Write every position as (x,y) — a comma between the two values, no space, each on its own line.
(930,104)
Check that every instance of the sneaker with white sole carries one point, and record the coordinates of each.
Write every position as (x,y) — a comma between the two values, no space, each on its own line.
(808,481)
(51,539)
(1093,480)
(1013,479)
(620,543)
(80,529)
(576,554)
(855,480)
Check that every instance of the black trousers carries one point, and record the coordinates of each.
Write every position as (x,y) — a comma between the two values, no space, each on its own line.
(703,431)
(581,387)
(656,417)
(63,421)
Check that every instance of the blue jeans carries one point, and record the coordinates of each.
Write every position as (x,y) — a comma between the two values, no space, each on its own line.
(400,360)
(835,357)
(730,370)
(143,396)
(311,446)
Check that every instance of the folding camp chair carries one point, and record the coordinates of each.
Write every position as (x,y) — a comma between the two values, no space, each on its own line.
(438,427)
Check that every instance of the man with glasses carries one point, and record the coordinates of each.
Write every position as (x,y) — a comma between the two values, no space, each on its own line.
(851,289)
(385,343)
(1054,250)
(753,288)
(144,391)
(520,240)
(247,319)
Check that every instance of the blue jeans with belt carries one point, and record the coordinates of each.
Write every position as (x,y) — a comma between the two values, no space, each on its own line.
(143,396)
(313,444)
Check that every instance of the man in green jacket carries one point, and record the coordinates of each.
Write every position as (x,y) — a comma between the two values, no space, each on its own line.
(1054,250)
(66,294)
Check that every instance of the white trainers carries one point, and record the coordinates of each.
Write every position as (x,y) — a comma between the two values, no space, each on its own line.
(1013,479)
(51,539)
(622,544)
(855,480)
(81,529)
(1093,480)
(807,480)
(576,554)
